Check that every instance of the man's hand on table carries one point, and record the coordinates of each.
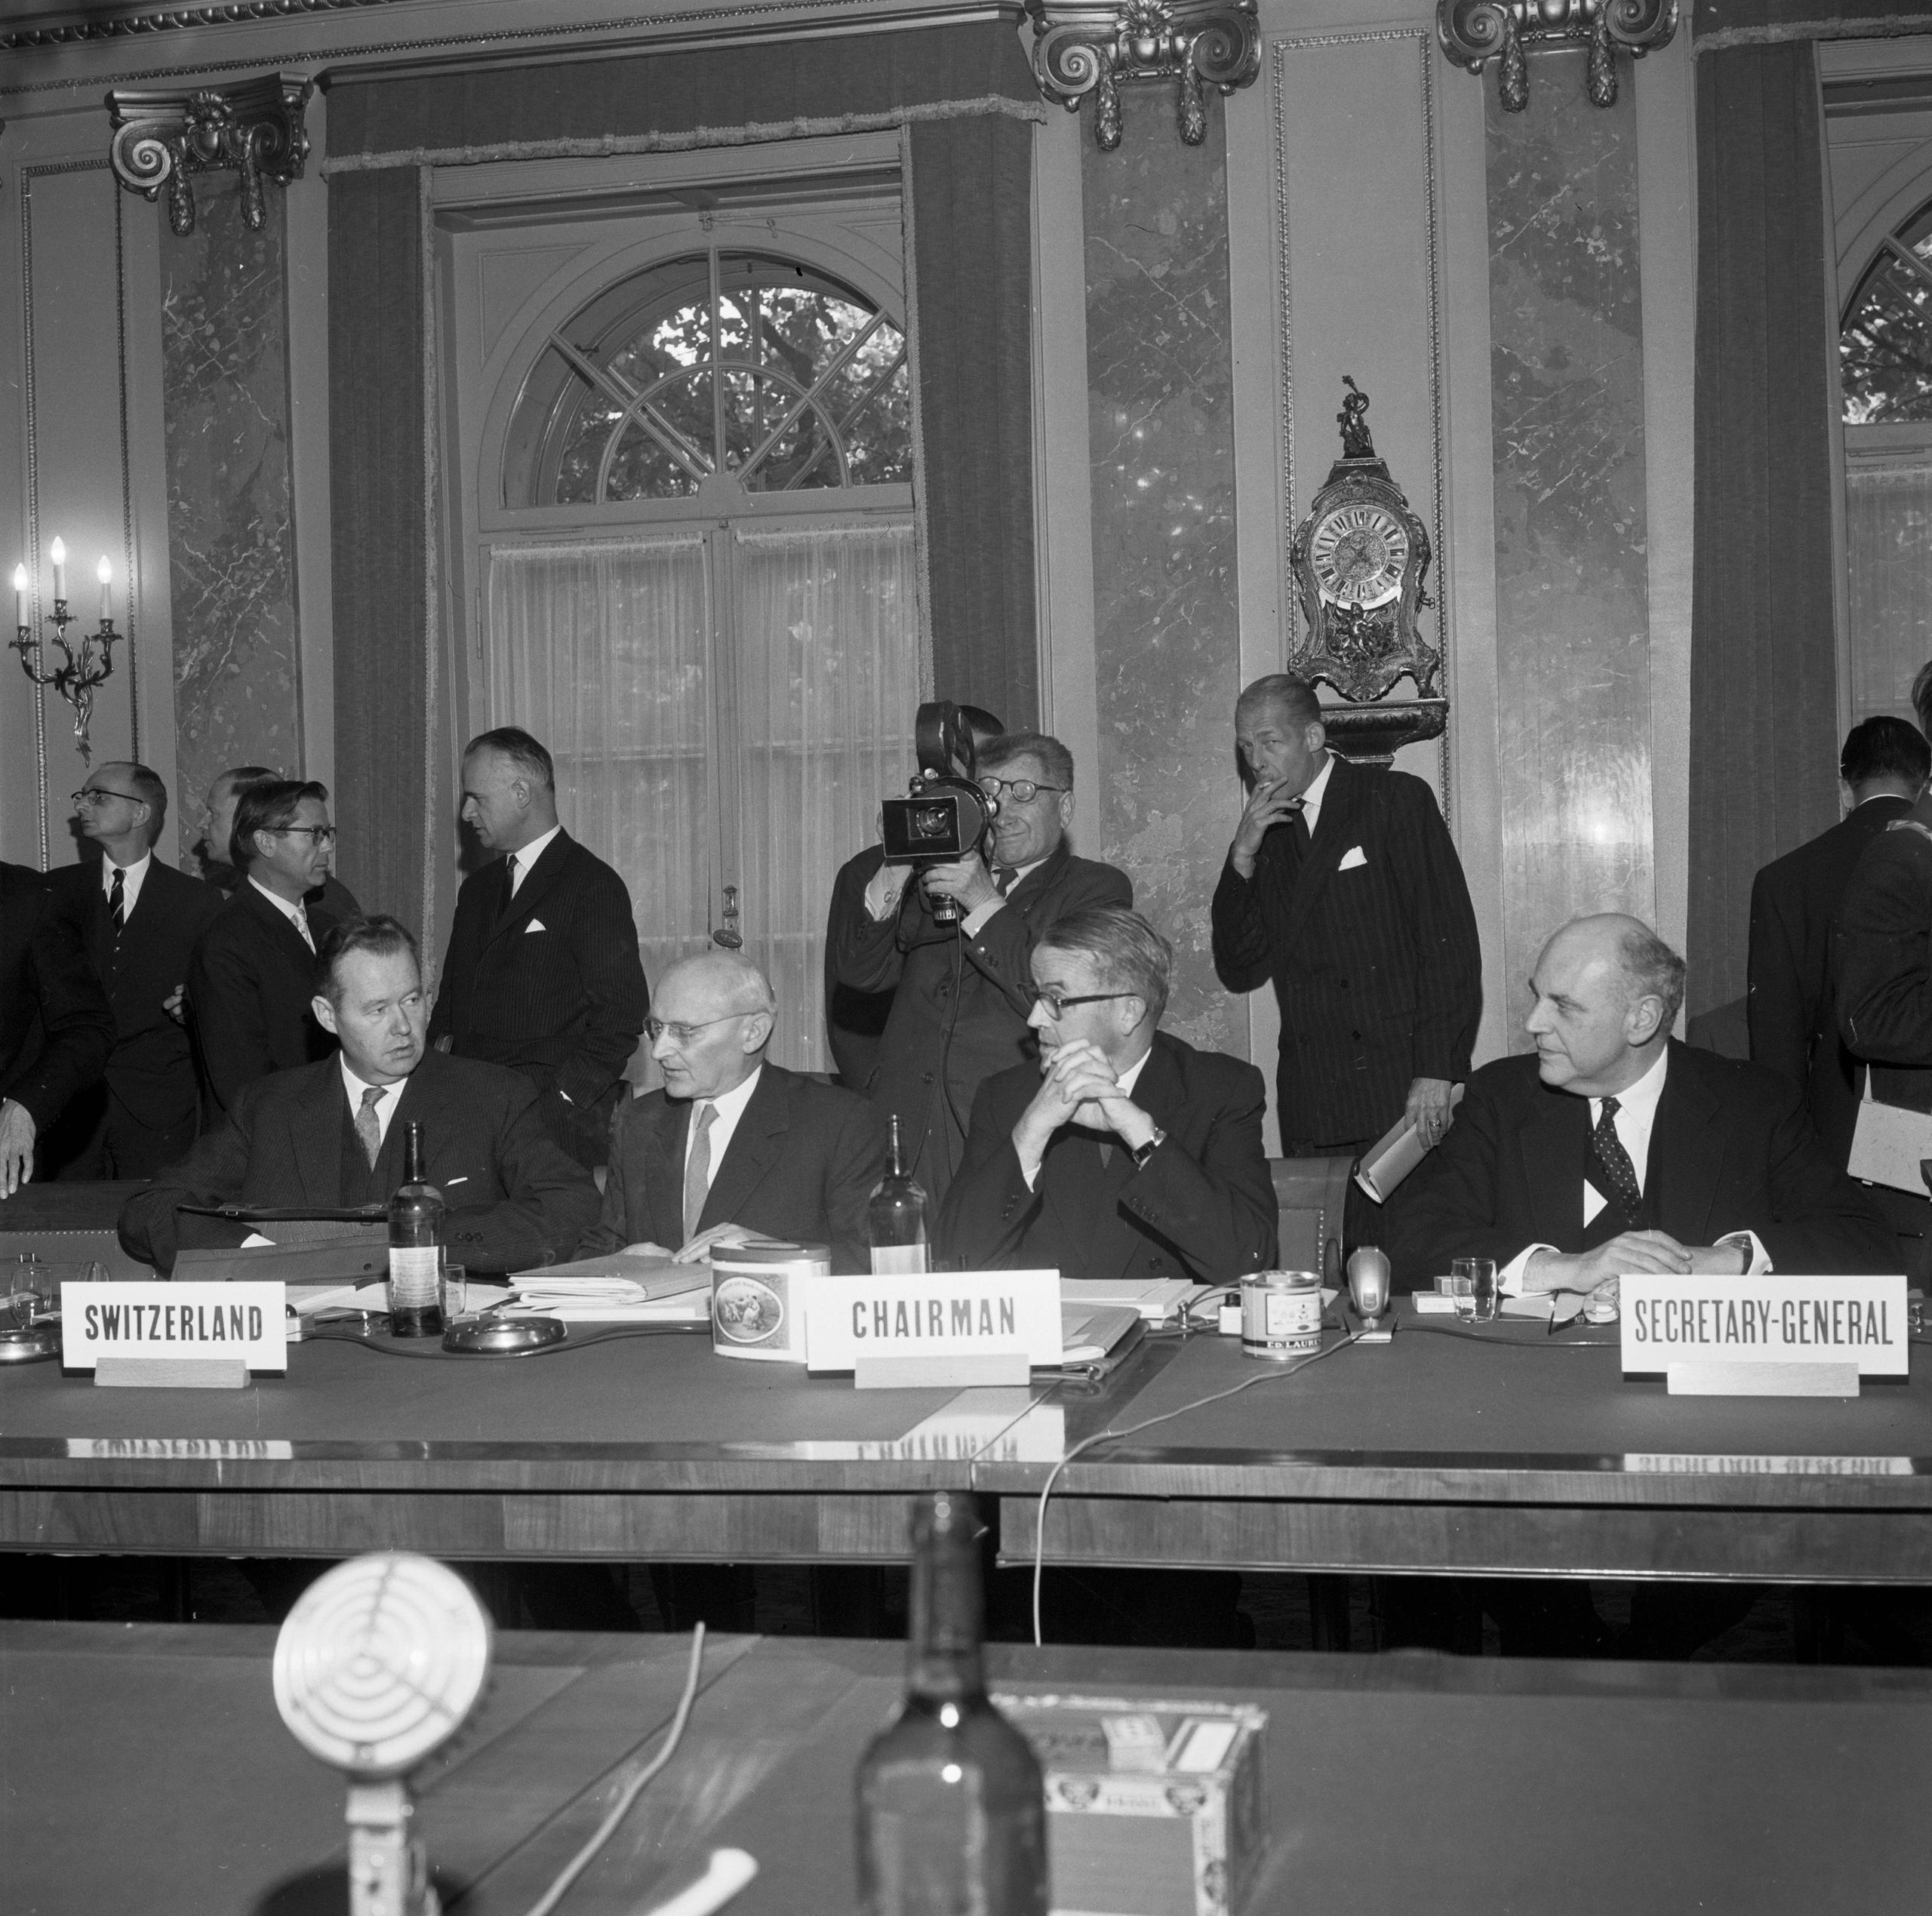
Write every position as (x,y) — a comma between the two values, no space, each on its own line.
(724,1234)
(646,1249)
(1631,1253)
(16,1137)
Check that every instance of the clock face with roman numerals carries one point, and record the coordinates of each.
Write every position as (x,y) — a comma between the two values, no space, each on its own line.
(1359,553)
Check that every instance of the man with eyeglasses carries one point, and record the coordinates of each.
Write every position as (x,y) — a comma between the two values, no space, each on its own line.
(250,983)
(224,794)
(1123,1152)
(138,920)
(734,1149)
(964,991)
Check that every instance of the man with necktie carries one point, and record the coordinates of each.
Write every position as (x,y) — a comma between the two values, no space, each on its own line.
(734,1149)
(138,920)
(1343,886)
(224,794)
(541,973)
(1613,1148)
(251,980)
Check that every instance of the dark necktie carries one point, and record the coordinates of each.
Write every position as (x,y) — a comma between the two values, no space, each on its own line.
(510,885)
(117,901)
(1003,879)
(1298,829)
(1615,1175)
(367,1127)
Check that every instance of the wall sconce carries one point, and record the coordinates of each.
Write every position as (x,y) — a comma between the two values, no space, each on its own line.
(1473,32)
(1091,46)
(254,129)
(75,679)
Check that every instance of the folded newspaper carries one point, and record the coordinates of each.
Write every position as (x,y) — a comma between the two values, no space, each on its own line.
(618,1289)
(1393,1155)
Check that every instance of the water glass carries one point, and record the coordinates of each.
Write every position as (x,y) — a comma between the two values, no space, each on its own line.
(29,1291)
(1461,1286)
(1486,1301)
(452,1292)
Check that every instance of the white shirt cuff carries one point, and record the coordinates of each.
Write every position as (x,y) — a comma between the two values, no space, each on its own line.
(882,895)
(1760,1259)
(1029,1168)
(975,918)
(1509,1279)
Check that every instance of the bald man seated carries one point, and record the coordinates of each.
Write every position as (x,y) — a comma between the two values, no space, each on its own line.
(1614,1148)
(734,1149)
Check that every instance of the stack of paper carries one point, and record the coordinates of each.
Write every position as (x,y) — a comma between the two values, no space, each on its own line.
(619,1290)
(1158,1300)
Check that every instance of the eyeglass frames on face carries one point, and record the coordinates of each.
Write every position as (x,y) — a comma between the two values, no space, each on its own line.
(323,835)
(93,795)
(1024,790)
(681,1035)
(1056,1004)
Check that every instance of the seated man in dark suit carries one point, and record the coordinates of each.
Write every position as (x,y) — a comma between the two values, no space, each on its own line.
(1615,1149)
(1124,1151)
(251,980)
(218,867)
(139,920)
(331,1133)
(56,1029)
(734,1149)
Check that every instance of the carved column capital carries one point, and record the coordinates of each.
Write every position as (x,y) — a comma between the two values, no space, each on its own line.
(1475,32)
(1083,47)
(254,129)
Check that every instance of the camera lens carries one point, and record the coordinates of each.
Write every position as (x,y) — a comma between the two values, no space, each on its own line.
(932,822)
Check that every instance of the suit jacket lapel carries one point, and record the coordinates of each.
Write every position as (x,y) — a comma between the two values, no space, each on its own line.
(314,1136)
(755,1146)
(1687,1154)
(1046,873)
(1331,839)
(1553,1141)
(281,925)
(538,880)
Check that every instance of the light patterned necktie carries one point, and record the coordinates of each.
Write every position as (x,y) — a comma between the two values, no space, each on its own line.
(1617,1175)
(366,1127)
(302,925)
(697,1168)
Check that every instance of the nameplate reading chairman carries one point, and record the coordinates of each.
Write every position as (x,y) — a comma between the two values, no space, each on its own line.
(331,1134)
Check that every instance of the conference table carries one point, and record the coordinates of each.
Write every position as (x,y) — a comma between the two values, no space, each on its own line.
(147,1769)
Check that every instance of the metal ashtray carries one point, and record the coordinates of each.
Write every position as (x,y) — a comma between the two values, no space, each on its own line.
(33,1342)
(492,1335)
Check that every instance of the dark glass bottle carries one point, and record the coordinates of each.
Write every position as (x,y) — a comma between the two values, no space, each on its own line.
(896,1214)
(416,1237)
(952,1811)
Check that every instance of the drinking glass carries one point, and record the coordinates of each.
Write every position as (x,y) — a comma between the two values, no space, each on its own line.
(452,1292)
(1462,1287)
(29,1291)
(1485,1301)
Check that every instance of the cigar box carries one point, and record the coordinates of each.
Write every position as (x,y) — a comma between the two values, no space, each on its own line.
(1154,1808)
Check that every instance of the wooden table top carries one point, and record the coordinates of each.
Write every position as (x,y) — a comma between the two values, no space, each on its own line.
(147,1769)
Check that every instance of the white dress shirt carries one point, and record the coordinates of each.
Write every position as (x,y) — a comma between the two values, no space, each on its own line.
(1128,1079)
(527,856)
(385,1105)
(295,913)
(1318,787)
(131,882)
(1635,1119)
(730,1107)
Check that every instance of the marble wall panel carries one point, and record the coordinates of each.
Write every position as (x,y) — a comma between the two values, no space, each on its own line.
(1166,628)
(1572,589)
(231,533)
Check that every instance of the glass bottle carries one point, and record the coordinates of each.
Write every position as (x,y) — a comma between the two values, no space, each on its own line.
(416,1236)
(951,1810)
(896,1214)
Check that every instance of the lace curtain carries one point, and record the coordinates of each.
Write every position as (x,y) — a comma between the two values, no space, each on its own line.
(757,759)
(1888,538)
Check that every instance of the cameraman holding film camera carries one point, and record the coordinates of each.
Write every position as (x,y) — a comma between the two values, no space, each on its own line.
(974,867)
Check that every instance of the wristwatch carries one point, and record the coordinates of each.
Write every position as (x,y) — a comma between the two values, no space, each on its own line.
(1142,1152)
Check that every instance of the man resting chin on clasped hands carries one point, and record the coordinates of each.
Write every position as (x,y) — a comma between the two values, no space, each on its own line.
(1616,1149)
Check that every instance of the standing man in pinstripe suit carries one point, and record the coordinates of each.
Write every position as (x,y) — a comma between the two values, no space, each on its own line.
(1343,886)
(542,973)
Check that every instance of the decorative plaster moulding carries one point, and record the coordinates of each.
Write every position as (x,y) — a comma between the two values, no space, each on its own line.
(1473,32)
(254,129)
(1083,47)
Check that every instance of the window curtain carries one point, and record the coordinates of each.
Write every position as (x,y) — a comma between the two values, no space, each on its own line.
(966,97)
(1888,541)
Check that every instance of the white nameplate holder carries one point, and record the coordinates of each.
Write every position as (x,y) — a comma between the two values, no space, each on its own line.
(1774,1335)
(934,1329)
(178,1337)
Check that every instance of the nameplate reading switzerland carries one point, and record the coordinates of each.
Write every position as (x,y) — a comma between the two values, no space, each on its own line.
(933,1314)
(1857,1322)
(150,1321)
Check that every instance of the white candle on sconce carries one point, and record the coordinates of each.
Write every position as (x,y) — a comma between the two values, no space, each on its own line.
(59,556)
(105,573)
(21,597)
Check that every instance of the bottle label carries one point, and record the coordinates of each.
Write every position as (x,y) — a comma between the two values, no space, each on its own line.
(898,1260)
(413,1270)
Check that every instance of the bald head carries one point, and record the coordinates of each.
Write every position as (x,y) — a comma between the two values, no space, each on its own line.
(1608,991)
(713,1016)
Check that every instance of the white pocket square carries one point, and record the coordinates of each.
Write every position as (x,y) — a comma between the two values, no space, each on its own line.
(1354,857)
(535,924)
(451,1183)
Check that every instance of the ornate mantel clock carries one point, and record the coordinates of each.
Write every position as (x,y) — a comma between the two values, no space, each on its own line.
(1360,557)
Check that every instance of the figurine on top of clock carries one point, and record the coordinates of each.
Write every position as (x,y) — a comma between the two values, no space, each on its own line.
(1342,885)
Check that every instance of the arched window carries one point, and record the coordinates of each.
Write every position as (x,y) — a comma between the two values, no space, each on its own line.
(1885,342)
(688,467)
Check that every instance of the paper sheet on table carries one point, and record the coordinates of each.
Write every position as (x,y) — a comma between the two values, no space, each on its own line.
(1159,1300)
(620,1289)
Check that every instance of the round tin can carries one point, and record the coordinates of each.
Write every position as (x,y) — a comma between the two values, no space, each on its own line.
(1281,1314)
(758,1299)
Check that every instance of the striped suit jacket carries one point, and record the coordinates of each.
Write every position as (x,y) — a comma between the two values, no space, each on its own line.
(1372,946)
